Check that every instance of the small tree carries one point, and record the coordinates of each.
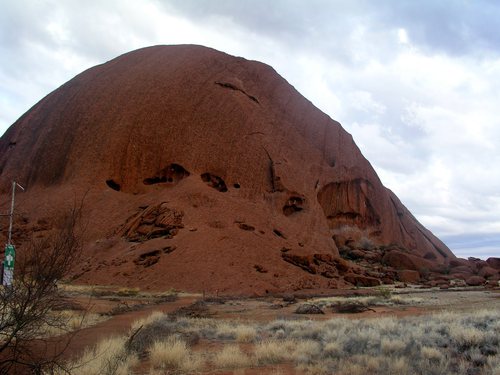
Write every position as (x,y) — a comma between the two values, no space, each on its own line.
(31,323)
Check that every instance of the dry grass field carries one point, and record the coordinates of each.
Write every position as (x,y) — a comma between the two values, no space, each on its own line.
(422,332)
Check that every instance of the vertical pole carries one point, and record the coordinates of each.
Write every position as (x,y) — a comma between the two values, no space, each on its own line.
(10,252)
(12,211)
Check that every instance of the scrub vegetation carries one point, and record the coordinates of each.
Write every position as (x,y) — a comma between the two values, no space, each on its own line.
(434,343)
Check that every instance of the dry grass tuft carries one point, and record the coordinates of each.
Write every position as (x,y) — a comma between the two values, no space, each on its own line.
(231,357)
(166,354)
(334,350)
(392,347)
(306,351)
(194,363)
(433,355)
(245,335)
(272,352)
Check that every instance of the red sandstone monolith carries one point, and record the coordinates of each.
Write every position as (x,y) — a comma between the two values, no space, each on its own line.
(201,171)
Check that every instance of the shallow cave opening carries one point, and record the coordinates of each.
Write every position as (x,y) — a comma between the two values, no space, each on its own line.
(214,182)
(113,185)
(293,205)
(173,173)
(176,172)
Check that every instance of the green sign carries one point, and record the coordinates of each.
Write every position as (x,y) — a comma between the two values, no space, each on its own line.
(8,266)
(10,254)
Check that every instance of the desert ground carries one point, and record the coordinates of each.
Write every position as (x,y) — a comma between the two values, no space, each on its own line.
(358,331)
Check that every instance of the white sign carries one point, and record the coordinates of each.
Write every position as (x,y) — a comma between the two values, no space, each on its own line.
(9,261)
(8,276)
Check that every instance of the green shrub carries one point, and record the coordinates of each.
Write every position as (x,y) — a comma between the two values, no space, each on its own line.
(128,291)
(385,293)
(397,245)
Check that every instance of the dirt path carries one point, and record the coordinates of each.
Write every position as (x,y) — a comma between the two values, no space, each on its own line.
(118,325)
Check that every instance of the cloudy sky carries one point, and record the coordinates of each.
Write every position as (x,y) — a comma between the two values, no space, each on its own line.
(416,82)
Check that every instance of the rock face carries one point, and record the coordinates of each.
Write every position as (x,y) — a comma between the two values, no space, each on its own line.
(494,263)
(408,276)
(202,170)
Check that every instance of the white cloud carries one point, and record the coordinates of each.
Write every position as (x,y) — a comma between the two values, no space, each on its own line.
(362,100)
(403,36)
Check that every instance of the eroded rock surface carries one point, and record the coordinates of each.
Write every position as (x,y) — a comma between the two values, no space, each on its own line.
(216,157)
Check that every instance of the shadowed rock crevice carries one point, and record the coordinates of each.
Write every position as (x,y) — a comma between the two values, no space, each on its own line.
(278,233)
(113,185)
(235,88)
(171,174)
(214,182)
(294,204)
(246,227)
(148,259)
